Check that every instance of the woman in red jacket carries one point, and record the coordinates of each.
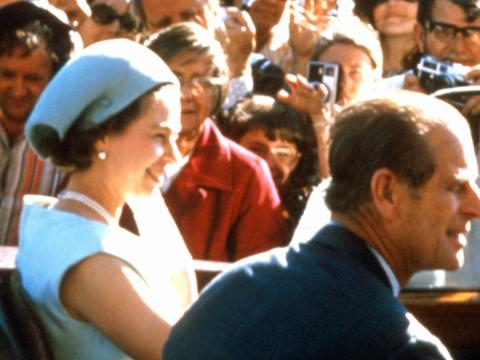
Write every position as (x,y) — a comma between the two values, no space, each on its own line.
(223,198)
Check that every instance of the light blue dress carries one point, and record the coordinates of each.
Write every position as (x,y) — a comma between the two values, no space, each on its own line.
(51,242)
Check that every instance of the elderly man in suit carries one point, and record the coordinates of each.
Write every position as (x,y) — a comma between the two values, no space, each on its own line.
(402,195)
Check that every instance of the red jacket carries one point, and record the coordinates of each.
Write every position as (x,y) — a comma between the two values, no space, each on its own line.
(224,201)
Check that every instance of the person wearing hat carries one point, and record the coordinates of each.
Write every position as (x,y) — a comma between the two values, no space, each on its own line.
(34,44)
(101,291)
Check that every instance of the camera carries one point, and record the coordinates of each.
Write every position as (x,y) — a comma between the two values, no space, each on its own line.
(435,75)
(327,73)
(246,4)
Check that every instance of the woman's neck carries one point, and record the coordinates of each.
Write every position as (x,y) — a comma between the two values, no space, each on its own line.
(395,48)
(98,189)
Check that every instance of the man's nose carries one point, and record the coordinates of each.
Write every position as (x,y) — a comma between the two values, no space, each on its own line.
(19,87)
(472,204)
(458,42)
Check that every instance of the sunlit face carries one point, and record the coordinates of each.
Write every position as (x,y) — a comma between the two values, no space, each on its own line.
(266,13)
(395,17)
(456,50)
(160,14)
(138,155)
(436,220)
(92,31)
(358,73)
(196,93)
(22,79)
(281,156)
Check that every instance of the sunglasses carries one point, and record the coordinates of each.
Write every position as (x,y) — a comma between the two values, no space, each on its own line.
(103,14)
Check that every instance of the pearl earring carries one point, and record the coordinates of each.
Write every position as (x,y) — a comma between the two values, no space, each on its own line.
(102,155)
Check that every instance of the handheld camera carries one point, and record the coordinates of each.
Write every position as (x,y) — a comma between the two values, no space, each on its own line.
(327,73)
(435,75)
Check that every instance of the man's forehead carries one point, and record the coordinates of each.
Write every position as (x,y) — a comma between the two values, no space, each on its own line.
(169,8)
(453,147)
(454,13)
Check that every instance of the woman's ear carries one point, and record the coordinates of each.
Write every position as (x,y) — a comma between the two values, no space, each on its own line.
(100,145)
(386,189)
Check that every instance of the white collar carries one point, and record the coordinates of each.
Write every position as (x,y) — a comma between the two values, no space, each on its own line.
(388,271)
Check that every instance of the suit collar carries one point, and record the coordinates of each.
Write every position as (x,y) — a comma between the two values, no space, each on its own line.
(338,237)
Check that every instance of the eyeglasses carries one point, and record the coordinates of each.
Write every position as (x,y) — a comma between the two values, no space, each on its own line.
(447,32)
(204,82)
(283,155)
(104,14)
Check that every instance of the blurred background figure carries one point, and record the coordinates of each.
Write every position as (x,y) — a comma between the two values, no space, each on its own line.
(286,31)
(394,20)
(35,41)
(98,20)
(76,10)
(109,19)
(354,49)
(94,285)
(218,196)
(233,28)
(285,140)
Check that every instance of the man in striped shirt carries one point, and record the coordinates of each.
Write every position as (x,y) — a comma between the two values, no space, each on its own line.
(34,44)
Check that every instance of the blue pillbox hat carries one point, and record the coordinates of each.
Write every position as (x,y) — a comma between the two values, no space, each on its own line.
(99,82)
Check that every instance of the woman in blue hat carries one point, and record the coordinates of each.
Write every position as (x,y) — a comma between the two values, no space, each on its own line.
(110,117)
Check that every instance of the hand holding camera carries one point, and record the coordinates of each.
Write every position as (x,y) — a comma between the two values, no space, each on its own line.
(302,95)
(435,75)
(328,74)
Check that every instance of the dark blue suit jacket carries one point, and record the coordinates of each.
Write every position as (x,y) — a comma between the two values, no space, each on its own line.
(327,299)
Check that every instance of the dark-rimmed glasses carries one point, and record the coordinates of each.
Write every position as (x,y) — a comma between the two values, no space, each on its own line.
(447,32)
(104,14)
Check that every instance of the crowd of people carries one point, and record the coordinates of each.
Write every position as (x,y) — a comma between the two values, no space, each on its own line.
(137,136)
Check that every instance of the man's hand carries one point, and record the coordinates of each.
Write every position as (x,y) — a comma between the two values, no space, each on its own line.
(303,96)
(472,105)
(412,83)
(306,24)
(241,35)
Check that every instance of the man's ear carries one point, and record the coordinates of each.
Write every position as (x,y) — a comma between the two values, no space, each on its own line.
(419,35)
(386,190)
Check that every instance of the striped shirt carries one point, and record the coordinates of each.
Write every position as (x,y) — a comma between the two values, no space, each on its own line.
(21,172)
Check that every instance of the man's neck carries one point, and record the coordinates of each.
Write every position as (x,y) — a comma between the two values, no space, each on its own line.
(14,129)
(366,223)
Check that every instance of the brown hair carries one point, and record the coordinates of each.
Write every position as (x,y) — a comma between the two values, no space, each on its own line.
(371,135)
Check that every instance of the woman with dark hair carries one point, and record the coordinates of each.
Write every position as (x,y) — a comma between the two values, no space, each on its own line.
(394,20)
(284,139)
(219,195)
(100,291)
